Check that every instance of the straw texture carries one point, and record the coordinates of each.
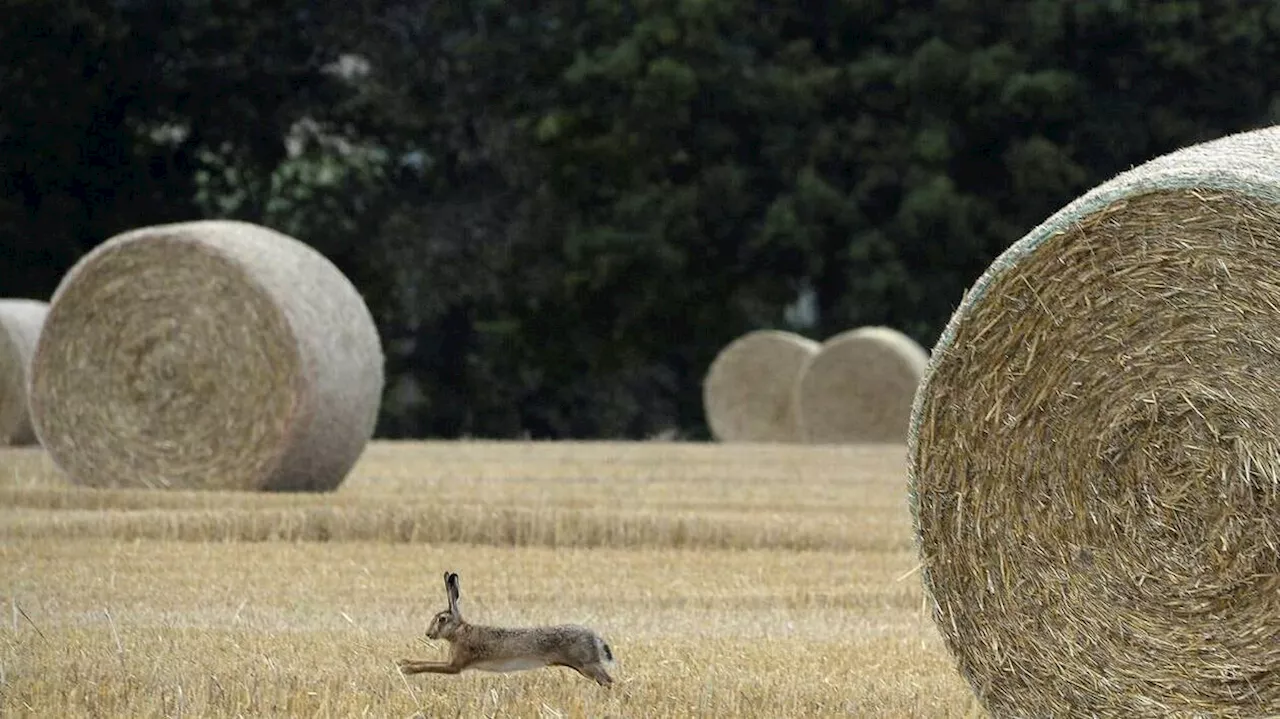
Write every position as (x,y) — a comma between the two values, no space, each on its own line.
(20,322)
(747,393)
(859,387)
(1095,451)
(211,354)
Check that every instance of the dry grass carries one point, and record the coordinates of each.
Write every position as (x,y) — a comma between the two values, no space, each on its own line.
(743,580)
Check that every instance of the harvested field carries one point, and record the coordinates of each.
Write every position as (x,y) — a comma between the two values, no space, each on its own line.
(731,580)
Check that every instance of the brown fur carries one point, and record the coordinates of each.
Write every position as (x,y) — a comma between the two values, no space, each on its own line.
(473,646)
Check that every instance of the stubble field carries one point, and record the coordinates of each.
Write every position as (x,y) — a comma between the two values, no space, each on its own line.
(748,581)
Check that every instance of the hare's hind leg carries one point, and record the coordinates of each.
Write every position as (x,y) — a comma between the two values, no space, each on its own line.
(596,671)
(410,666)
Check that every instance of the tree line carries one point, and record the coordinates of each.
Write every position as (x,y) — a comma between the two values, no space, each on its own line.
(559,211)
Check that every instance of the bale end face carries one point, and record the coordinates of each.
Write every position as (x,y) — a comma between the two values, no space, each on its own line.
(20,324)
(747,390)
(859,387)
(1096,465)
(13,394)
(175,356)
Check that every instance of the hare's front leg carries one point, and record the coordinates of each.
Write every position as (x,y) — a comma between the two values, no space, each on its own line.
(411,666)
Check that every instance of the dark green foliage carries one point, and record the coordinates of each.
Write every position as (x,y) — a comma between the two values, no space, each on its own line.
(560,211)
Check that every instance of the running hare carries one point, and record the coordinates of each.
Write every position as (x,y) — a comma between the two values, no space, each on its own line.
(501,649)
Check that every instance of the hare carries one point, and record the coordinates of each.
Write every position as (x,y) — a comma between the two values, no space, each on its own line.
(502,649)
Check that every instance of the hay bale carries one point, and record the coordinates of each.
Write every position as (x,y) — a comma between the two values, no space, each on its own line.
(747,390)
(210,354)
(859,386)
(1095,451)
(20,322)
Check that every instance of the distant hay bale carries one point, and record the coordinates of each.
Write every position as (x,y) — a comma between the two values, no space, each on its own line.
(212,355)
(20,322)
(859,386)
(747,391)
(1095,451)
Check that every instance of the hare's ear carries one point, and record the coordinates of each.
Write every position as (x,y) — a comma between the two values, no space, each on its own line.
(451,587)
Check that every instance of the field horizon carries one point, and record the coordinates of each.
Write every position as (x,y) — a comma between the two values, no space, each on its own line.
(730,580)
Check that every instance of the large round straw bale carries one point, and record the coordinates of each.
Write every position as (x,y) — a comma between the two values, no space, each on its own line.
(1095,451)
(211,354)
(747,391)
(20,322)
(858,387)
